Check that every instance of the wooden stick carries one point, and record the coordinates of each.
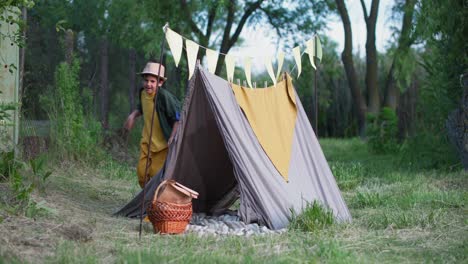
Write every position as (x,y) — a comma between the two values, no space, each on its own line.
(151,132)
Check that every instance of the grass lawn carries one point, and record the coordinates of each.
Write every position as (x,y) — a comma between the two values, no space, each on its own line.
(400,215)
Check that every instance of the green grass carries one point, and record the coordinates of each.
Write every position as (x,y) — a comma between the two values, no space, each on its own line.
(400,214)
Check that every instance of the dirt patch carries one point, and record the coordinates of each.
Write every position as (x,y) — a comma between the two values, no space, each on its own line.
(77,233)
(25,237)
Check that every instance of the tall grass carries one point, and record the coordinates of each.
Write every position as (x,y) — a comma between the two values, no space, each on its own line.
(314,217)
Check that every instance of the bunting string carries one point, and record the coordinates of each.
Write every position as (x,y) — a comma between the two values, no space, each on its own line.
(175,40)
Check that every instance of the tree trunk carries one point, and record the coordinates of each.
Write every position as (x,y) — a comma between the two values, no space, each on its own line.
(371,58)
(406,110)
(347,58)
(404,43)
(132,78)
(392,94)
(104,83)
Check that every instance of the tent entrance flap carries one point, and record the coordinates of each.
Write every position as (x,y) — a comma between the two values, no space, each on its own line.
(271,113)
(203,162)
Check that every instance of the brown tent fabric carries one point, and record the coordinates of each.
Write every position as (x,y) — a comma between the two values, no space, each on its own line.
(217,154)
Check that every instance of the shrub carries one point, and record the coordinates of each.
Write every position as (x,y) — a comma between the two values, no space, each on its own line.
(382,131)
(72,134)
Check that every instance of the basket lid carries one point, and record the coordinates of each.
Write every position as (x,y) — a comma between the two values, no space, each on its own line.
(174,192)
(185,190)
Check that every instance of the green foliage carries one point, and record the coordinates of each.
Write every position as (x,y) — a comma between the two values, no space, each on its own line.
(382,131)
(10,13)
(428,150)
(23,180)
(39,172)
(7,163)
(440,27)
(71,133)
(5,125)
(21,188)
(314,217)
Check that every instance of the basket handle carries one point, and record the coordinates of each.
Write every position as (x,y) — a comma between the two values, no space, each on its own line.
(155,197)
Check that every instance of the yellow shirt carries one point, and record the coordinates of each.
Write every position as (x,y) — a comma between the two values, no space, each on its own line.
(158,141)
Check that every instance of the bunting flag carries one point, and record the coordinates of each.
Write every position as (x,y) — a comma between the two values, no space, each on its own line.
(297,58)
(318,47)
(212,59)
(280,63)
(311,51)
(247,70)
(192,52)
(175,42)
(269,68)
(230,65)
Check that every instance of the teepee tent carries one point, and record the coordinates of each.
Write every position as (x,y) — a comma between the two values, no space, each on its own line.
(255,145)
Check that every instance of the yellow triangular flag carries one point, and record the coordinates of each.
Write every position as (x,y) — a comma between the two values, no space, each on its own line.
(230,65)
(297,58)
(280,63)
(192,52)
(247,70)
(318,47)
(212,59)
(269,68)
(175,42)
(311,51)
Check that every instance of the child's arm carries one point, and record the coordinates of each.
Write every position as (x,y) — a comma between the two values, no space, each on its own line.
(131,119)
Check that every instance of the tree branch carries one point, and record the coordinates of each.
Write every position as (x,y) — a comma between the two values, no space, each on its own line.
(364,9)
(248,12)
(270,19)
(189,19)
(211,18)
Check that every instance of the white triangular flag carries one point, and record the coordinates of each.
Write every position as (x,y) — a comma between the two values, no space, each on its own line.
(318,47)
(175,42)
(192,52)
(247,70)
(311,51)
(212,59)
(297,58)
(280,63)
(269,68)
(230,64)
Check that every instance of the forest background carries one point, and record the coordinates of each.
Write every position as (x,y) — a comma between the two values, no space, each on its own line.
(398,100)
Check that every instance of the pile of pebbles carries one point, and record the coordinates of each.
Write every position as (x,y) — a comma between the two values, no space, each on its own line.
(226,225)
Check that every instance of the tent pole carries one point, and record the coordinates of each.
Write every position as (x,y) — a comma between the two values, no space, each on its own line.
(316,102)
(151,131)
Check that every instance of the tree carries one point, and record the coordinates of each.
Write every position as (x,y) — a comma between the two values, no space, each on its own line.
(347,58)
(371,57)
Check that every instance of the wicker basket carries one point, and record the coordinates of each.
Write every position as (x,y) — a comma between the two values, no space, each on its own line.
(171,217)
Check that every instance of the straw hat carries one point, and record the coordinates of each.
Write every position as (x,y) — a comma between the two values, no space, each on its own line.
(152,68)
